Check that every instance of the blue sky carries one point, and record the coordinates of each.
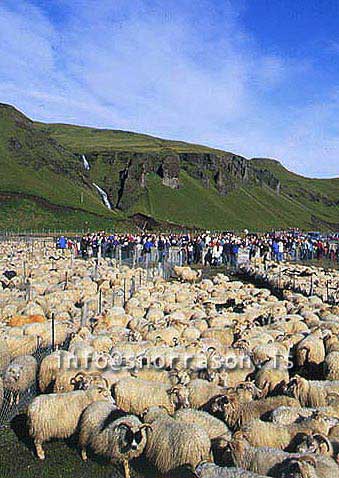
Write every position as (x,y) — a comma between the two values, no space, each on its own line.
(256,77)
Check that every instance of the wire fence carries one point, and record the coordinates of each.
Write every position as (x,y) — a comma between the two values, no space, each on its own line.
(15,404)
(293,281)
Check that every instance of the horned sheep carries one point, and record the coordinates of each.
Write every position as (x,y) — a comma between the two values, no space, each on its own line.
(120,439)
(134,395)
(273,462)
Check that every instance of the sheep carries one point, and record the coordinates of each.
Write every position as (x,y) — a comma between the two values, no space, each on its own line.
(57,415)
(315,443)
(186,274)
(273,462)
(286,415)
(134,395)
(271,377)
(5,356)
(312,393)
(331,366)
(307,467)
(21,344)
(172,445)
(201,392)
(236,412)
(51,366)
(212,425)
(120,439)
(260,433)
(310,354)
(20,375)
(210,470)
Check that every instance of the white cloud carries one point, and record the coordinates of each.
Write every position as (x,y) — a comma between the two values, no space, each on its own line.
(179,70)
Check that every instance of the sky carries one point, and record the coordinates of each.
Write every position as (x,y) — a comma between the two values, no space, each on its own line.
(259,78)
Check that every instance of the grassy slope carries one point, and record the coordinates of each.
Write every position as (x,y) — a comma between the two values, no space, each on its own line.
(304,190)
(82,139)
(256,207)
(30,171)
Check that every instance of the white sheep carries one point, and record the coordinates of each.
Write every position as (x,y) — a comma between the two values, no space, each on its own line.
(57,415)
(20,375)
(172,445)
(134,395)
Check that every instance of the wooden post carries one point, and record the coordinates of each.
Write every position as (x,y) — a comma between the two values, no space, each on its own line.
(53,332)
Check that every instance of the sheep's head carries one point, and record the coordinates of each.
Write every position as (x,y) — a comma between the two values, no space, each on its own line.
(84,381)
(219,403)
(179,396)
(303,467)
(248,391)
(13,373)
(100,393)
(238,445)
(132,437)
(326,422)
(296,386)
(242,344)
(315,443)
(181,376)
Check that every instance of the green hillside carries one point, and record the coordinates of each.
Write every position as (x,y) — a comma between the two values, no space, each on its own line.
(82,139)
(44,184)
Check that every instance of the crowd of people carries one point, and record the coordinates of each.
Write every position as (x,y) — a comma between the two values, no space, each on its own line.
(209,249)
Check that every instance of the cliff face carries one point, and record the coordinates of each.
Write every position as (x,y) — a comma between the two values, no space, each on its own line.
(126,172)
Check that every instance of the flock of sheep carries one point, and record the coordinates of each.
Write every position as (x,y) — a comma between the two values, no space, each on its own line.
(307,279)
(212,377)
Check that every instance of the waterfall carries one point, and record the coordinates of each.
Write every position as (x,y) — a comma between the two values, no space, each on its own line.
(104,196)
(86,163)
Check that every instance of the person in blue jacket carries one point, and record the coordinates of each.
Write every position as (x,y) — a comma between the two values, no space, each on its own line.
(62,242)
(234,254)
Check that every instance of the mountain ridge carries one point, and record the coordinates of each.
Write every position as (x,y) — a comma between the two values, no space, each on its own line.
(168,181)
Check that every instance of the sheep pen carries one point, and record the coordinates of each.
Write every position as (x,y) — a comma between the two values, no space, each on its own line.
(206,356)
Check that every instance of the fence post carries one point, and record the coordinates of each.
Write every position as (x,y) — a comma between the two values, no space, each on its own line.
(327,290)
(53,332)
(84,315)
(132,286)
(311,285)
(100,302)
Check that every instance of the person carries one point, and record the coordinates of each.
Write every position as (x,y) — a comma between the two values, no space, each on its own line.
(208,257)
(280,250)
(83,247)
(234,254)
(62,243)
(227,252)
(275,250)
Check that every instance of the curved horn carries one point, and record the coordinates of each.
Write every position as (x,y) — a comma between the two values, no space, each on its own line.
(78,377)
(308,459)
(145,426)
(321,438)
